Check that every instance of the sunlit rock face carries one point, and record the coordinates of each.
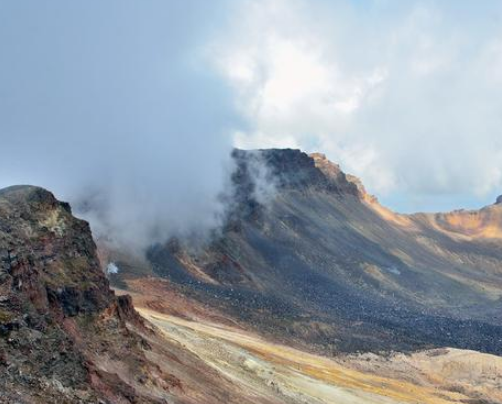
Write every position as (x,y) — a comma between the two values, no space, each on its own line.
(484,223)
(320,262)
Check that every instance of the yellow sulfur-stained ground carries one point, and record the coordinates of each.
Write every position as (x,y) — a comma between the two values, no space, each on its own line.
(281,374)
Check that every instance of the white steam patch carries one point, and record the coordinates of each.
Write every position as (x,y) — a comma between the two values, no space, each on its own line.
(265,187)
(112,268)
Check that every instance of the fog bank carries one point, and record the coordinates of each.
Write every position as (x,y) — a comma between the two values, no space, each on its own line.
(110,105)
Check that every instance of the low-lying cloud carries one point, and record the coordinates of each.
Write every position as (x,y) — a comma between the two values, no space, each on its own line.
(111,106)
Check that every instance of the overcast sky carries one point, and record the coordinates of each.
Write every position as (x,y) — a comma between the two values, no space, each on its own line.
(141,101)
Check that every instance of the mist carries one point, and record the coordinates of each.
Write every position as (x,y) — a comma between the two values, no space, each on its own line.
(111,106)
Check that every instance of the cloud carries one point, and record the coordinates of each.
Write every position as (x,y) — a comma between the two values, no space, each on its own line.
(130,109)
(110,106)
(406,96)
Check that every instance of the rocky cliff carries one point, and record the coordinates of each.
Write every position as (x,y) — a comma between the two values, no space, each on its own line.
(58,316)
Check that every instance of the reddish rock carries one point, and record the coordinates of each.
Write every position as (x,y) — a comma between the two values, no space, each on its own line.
(58,315)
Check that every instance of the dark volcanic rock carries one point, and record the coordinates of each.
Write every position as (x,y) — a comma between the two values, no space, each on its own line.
(499,200)
(322,263)
(289,169)
(50,256)
(259,174)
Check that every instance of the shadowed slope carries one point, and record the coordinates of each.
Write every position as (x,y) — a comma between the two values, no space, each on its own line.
(320,262)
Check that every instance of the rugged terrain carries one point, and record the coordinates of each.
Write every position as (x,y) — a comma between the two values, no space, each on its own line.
(280,373)
(312,293)
(65,337)
(312,259)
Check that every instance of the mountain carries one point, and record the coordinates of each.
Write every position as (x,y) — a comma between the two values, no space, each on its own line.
(243,320)
(308,257)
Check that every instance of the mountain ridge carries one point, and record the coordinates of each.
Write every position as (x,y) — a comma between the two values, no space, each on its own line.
(351,275)
(305,268)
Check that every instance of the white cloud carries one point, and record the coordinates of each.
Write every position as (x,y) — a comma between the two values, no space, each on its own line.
(405,96)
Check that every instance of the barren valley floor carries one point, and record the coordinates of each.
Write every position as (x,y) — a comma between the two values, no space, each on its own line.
(277,373)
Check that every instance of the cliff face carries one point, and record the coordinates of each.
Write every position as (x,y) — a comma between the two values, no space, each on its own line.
(57,312)
(48,256)
(292,169)
(321,262)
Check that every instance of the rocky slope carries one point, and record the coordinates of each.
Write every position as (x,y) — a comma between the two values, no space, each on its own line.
(313,259)
(65,337)
(282,373)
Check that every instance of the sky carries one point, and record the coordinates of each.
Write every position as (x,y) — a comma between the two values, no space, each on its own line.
(134,106)
(404,94)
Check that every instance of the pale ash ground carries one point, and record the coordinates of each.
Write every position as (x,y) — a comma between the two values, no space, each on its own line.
(276,373)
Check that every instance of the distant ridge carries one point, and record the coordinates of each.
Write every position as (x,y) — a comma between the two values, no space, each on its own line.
(321,263)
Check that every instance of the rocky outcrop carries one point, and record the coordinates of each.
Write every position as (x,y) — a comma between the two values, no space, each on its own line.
(499,200)
(346,181)
(49,256)
(293,169)
(260,174)
(58,316)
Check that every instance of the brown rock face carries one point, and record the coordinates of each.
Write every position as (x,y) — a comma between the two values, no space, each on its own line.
(48,255)
(347,182)
(58,315)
